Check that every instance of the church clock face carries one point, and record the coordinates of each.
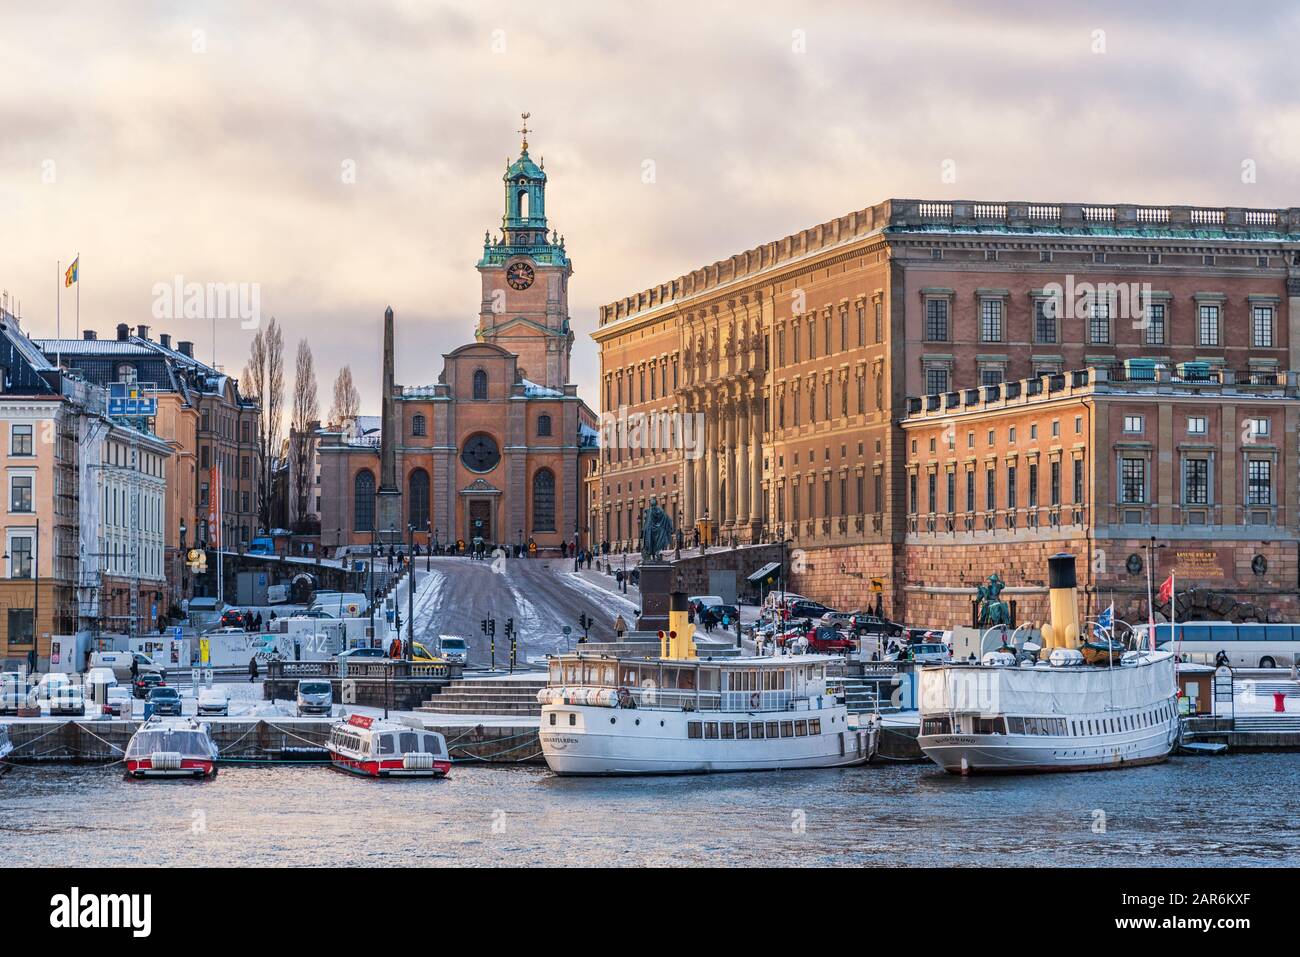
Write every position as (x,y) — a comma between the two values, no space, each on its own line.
(520,276)
(480,453)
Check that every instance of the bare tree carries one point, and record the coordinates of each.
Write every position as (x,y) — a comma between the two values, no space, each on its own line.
(302,432)
(347,400)
(263,379)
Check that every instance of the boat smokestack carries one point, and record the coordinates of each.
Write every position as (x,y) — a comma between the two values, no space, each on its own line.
(1063,603)
(679,640)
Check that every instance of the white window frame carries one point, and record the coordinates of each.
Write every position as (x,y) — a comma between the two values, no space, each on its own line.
(9,501)
(1128,424)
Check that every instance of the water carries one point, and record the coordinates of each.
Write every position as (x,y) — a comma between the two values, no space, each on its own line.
(1205,811)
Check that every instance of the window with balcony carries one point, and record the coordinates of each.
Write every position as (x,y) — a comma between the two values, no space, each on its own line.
(1208,325)
(1155,324)
(1261,327)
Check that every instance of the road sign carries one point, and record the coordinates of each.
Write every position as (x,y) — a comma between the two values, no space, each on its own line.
(130,399)
(567,631)
(176,632)
(877,585)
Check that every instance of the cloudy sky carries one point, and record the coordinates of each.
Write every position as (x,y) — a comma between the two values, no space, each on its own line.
(212,141)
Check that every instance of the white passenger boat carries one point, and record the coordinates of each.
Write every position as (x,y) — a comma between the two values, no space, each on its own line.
(1062,715)
(1059,714)
(171,747)
(378,748)
(604,715)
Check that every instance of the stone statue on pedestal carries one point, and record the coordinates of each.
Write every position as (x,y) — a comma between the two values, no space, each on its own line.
(656,532)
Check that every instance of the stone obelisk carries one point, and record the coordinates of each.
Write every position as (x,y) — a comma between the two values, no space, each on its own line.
(388,513)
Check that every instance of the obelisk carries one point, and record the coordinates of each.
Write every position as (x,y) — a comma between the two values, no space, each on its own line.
(388,512)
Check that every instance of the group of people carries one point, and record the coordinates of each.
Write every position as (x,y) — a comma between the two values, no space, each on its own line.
(249,621)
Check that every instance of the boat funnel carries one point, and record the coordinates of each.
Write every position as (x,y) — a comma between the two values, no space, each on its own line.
(1063,602)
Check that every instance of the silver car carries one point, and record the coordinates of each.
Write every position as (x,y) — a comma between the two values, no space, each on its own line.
(315,696)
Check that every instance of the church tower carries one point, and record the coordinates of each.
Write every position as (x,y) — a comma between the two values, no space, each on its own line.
(525,307)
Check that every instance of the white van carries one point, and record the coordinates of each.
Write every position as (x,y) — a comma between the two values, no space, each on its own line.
(348,604)
(120,663)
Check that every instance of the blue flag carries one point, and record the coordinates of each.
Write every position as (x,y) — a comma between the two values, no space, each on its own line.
(1105,623)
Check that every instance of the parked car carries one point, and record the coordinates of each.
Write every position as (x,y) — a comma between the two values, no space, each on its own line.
(214,701)
(353,654)
(61,695)
(13,691)
(315,696)
(120,662)
(454,649)
(838,619)
(118,703)
(865,623)
(165,700)
(808,609)
(145,682)
(928,653)
(261,545)
(232,618)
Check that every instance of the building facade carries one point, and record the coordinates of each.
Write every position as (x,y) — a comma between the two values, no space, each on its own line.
(1100,464)
(496,449)
(796,359)
(210,425)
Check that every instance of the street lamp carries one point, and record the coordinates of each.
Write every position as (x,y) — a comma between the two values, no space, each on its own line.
(410,591)
(1151,547)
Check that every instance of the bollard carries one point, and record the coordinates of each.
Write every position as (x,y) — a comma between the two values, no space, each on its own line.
(1279,700)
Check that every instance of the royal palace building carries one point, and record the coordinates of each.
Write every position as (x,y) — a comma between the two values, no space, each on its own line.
(801,363)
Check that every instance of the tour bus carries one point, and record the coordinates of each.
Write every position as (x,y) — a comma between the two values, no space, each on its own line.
(1246,645)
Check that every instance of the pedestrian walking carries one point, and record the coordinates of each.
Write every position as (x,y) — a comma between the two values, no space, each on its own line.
(252,670)
(620,627)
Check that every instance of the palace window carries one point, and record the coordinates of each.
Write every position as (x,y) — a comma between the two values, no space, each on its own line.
(1133,481)
(936,320)
(1262,327)
(1209,325)
(544,501)
(991,320)
(1155,317)
(1011,486)
(363,502)
(481,385)
(1045,320)
(1099,323)
(543,425)
(880,309)
(1033,485)
(419,425)
(1259,482)
(1196,481)
(936,380)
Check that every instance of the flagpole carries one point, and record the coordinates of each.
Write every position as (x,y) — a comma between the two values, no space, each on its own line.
(78,262)
(58,312)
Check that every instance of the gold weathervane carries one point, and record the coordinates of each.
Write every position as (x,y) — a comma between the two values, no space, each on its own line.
(524,132)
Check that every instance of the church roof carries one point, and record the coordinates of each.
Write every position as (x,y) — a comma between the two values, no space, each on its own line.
(524,166)
(534,391)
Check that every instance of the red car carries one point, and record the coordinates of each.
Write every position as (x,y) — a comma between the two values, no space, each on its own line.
(823,640)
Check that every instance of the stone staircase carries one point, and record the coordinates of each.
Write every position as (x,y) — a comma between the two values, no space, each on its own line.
(488,696)
(860,694)
(1267,723)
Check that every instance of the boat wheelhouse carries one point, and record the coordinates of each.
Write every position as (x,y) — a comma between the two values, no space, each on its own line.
(171,747)
(609,715)
(379,748)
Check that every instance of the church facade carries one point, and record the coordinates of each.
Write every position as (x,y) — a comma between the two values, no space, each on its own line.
(497,450)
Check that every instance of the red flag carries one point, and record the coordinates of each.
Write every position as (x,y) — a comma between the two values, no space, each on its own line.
(1166,593)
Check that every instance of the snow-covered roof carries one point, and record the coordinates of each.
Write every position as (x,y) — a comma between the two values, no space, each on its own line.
(534,391)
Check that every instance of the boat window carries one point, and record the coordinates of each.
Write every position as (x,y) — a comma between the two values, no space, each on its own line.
(430,744)
(386,744)
(773,729)
(787,729)
(686,677)
(728,729)
(710,729)
(990,726)
(408,741)
(815,726)
(573,719)
(694,729)
(552,717)
(708,679)
(554,672)
(742,730)
(756,729)
(571,672)
(801,729)
(629,676)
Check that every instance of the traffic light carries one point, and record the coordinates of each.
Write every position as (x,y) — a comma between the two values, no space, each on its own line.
(483,626)
(492,627)
(510,627)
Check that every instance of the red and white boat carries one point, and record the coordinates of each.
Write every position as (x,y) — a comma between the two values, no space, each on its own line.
(378,748)
(171,747)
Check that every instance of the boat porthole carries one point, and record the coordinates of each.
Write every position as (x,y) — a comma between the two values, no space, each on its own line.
(613,720)
(661,723)
(638,722)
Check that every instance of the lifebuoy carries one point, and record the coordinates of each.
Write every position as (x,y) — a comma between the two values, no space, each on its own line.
(754,700)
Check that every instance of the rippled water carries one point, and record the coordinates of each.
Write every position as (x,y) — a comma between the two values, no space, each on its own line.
(1232,810)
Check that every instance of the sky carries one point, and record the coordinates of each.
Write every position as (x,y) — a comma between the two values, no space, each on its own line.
(338,157)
